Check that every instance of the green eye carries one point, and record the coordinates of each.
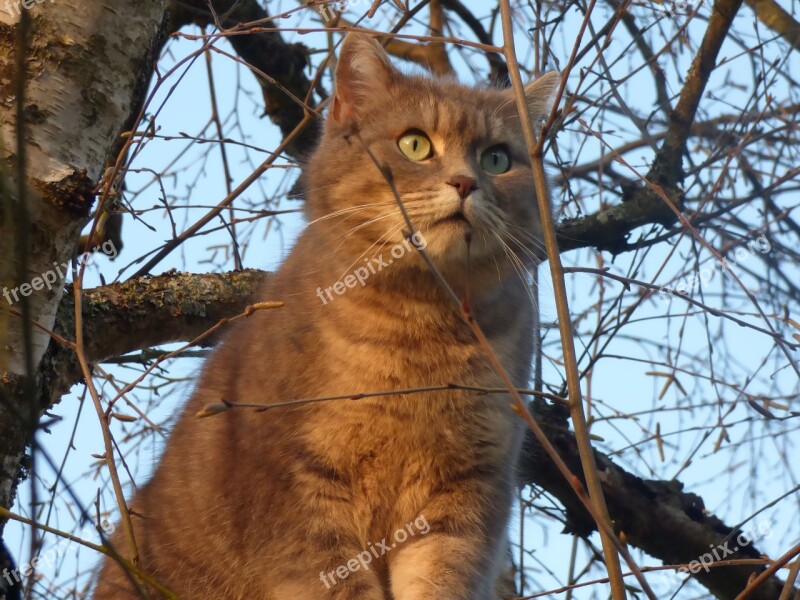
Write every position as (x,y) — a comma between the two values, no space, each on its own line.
(495,160)
(415,145)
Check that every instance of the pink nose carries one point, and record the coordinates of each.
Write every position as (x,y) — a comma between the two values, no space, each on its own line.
(463,184)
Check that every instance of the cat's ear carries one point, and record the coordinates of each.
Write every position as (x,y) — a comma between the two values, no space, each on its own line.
(363,69)
(540,94)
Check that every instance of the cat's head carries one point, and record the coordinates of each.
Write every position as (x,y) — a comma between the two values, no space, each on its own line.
(455,154)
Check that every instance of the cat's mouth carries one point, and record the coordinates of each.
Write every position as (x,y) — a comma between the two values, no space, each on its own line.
(458,218)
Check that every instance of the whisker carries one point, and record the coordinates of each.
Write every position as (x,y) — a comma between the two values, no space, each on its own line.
(366,224)
(520,269)
(389,233)
(522,246)
(492,254)
(347,210)
(527,235)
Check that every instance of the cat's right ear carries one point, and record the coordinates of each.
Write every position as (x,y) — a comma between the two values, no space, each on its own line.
(539,93)
(363,70)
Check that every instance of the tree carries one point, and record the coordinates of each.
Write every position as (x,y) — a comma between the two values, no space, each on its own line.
(674,157)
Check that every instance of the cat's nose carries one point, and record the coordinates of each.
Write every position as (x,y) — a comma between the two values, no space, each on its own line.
(463,184)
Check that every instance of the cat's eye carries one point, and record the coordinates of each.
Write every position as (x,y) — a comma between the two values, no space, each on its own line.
(495,160)
(415,145)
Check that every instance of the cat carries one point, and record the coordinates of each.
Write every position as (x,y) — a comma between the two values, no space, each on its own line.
(289,503)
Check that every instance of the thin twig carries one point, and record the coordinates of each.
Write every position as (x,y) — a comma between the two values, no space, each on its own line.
(263,407)
(769,572)
(585,449)
(7,514)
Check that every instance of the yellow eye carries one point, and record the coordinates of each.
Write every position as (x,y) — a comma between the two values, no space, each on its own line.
(415,145)
(495,160)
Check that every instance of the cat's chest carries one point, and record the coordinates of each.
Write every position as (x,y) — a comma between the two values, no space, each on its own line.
(370,351)
(415,429)
(400,364)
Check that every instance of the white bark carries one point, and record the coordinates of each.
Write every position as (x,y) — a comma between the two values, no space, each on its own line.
(83,71)
(89,62)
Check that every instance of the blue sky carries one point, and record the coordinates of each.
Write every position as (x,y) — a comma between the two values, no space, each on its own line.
(196,182)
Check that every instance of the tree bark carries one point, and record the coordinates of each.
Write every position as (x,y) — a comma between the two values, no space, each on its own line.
(655,516)
(88,65)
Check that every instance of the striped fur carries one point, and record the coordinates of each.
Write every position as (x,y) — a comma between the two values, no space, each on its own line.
(256,505)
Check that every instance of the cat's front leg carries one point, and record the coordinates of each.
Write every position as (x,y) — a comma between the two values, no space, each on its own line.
(445,567)
(463,550)
(333,575)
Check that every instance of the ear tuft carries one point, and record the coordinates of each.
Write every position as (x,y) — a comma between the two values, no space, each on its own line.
(363,69)
(540,94)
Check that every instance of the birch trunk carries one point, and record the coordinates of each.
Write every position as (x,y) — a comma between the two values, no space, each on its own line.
(88,66)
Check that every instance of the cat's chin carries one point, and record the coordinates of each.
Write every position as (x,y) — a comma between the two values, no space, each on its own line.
(449,241)
(455,245)
(456,219)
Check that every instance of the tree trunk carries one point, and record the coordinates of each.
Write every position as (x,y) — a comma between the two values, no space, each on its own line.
(88,65)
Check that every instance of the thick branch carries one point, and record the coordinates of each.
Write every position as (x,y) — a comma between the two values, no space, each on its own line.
(609,229)
(655,516)
(151,311)
(777,19)
(138,314)
(142,313)
(667,169)
(266,52)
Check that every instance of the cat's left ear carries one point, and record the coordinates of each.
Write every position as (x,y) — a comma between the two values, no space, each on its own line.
(363,71)
(540,94)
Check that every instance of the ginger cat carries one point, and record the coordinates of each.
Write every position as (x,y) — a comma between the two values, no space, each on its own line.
(308,502)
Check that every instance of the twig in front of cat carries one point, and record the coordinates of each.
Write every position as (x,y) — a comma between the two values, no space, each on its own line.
(7,514)
(611,543)
(386,172)
(463,309)
(104,416)
(248,311)
(218,407)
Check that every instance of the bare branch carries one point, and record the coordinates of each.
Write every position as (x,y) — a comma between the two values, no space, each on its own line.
(267,52)
(776,18)
(655,516)
(150,311)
